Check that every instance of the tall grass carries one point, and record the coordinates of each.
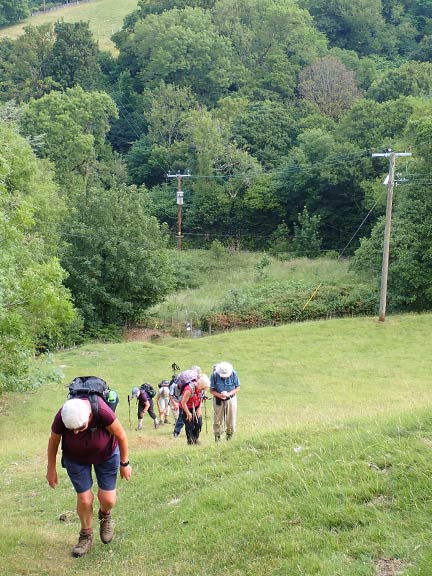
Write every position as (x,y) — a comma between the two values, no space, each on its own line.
(213,277)
(327,475)
(105,17)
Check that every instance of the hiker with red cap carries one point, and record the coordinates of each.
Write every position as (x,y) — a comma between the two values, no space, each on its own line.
(224,386)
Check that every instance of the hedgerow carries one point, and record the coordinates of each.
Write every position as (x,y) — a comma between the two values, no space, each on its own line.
(273,304)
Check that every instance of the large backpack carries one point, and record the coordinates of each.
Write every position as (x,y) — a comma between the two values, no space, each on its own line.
(91,387)
(183,379)
(149,389)
(164,388)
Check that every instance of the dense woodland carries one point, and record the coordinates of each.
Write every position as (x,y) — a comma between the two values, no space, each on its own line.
(274,107)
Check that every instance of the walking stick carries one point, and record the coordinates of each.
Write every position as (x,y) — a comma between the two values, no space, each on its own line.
(225,415)
(205,413)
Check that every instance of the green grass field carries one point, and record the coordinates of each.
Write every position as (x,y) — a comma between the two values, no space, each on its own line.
(104,16)
(217,276)
(329,473)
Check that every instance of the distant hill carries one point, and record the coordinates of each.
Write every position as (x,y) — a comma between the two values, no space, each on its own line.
(105,18)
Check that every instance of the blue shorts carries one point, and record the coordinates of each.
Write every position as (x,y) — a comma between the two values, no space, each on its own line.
(81,474)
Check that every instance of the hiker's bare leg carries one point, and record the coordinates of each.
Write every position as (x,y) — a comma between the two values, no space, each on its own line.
(85,509)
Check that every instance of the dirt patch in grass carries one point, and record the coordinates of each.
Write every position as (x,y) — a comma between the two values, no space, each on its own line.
(389,567)
(141,334)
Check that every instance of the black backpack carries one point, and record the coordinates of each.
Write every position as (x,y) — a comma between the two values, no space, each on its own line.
(149,389)
(91,387)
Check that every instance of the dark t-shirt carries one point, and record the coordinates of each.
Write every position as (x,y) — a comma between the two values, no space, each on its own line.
(143,397)
(90,446)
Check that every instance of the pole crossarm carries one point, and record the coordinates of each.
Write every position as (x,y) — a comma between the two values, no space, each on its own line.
(389,154)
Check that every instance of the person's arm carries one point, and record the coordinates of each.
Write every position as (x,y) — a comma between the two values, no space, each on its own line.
(53,444)
(234,392)
(236,382)
(185,398)
(118,431)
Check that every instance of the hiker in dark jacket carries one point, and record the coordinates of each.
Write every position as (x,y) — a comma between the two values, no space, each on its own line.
(86,443)
(145,404)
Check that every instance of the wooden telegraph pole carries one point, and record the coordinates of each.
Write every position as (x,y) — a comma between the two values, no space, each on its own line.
(385,261)
(179,204)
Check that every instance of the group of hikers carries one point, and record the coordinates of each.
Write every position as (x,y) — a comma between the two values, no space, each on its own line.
(185,395)
(92,436)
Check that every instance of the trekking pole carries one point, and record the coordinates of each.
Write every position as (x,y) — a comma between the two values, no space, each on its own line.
(130,423)
(224,414)
(205,414)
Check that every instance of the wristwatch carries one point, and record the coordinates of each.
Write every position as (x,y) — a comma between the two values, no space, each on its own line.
(124,464)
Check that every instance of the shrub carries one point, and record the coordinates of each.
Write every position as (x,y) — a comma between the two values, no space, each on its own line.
(273,304)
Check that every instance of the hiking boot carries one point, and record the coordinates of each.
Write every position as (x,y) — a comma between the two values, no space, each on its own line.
(217,438)
(84,544)
(106,528)
(156,423)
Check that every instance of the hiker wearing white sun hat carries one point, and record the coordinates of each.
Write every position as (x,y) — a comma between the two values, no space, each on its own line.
(224,386)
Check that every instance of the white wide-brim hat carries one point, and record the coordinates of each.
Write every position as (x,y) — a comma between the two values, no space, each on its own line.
(224,369)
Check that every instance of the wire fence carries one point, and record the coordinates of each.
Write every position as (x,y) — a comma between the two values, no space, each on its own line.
(43,10)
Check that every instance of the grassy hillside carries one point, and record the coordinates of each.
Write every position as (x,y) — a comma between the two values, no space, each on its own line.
(328,473)
(211,278)
(105,18)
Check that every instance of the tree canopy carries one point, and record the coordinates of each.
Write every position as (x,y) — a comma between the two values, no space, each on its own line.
(274,106)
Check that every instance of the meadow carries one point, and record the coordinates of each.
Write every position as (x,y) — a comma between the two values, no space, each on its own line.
(209,278)
(328,474)
(105,17)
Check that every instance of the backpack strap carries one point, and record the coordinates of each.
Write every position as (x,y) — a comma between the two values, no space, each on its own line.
(94,403)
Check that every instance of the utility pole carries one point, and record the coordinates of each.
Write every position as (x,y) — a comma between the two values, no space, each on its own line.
(385,261)
(179,203)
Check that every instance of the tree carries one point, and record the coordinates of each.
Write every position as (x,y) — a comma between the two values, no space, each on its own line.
(357,26)
(326,176)
(74,56)
(13,11)
(70,128)
(116,258)
(164,109)
(374,126)
(267,129)
(306,241)
(181,47)
(330,85)
(410,79)
(34,305)
(272,40)
(25,67)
